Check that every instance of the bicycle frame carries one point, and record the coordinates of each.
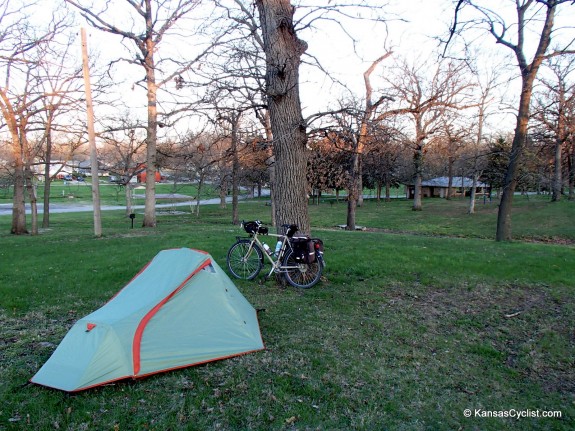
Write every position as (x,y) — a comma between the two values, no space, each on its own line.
(276,264)
(245,257)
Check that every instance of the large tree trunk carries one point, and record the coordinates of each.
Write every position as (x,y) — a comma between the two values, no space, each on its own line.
(31,188)
(283,56)
(355,197)
(451,162)
(235,171)
(528,74)
(360,185)
(46,200)
(223,191)
(557,174)
(571,167)
(47,179)
(418,164)
(19,204)
(510,182)
(198,199)
(128,190)
(471,209)
(354,189)
(271,167)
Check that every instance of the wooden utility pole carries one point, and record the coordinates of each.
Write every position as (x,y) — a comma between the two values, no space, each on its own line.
(91,139)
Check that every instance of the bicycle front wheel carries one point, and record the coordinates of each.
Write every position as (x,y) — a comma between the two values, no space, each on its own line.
(301,275)
(245,260)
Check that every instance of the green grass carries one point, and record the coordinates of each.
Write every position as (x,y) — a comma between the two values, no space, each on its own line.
(74,193)
(418,318)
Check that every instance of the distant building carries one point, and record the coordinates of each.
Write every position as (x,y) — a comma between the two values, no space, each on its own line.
(62,169)
(142,176)
(437,187)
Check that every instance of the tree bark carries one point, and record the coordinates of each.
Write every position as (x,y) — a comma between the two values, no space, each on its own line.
(510,182)
(557,173)
(128,190)
(200,185)
(471,209)
(47,179)
(19,202)
(450,163)
(271,167)
(235,170)
(355,195)
(528,74)
(418,164)
(283,52)
(571,167)
(223,192)
(31,188)
(354,187)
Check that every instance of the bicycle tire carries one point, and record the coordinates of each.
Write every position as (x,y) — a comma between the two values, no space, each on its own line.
(242,262)
(301,275)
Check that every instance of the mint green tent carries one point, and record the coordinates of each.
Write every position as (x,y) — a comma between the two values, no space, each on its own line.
(180,310)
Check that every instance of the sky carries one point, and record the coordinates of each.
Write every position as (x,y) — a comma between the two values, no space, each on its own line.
(408,37)
(415,37)
(409,32)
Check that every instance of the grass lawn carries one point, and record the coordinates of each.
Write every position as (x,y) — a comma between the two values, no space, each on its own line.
(418,318)
(78,193)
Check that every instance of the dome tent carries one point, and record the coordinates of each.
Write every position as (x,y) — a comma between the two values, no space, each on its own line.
(180,310)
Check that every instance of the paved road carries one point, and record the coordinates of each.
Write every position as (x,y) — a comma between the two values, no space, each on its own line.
(6,209)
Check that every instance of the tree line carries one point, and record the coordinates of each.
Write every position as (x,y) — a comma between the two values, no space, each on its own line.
(221,86)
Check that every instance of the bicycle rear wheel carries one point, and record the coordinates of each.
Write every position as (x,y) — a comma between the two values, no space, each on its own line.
(299,274)
(245,260)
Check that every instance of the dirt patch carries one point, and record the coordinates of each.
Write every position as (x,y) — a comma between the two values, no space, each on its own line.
(527,327)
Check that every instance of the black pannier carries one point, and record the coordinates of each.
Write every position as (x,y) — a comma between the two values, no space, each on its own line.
(255,226)
(303,249)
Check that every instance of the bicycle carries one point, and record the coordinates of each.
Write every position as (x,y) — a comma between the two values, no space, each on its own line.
(299,259)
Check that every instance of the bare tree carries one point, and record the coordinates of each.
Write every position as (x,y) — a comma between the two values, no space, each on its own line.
(424,99)
(283,50)
(554,111)
(479,150)
(381,161)
(274,31)
(328,164)
(451,140)
(231,121)
(360,139)
(124,153)
(62,88)
(150,22)
(22,49)
(532,17)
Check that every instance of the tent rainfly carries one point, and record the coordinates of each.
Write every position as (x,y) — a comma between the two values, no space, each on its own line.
(180,310)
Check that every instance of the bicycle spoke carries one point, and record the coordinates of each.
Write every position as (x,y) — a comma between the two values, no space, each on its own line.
(244,260)
(301,275)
